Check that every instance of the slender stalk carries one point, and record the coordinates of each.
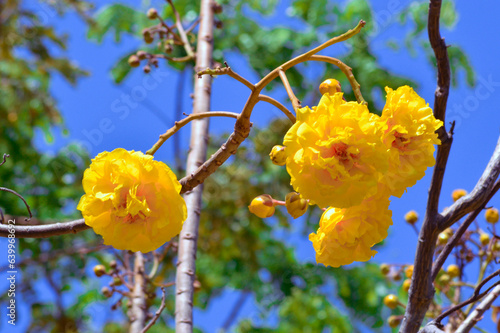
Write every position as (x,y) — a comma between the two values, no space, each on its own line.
(186,267)
(347,72)
(181,123)
(289,91)
(182,32)
(277,104)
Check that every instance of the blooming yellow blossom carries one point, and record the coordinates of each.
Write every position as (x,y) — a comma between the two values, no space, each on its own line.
(334,152)
(409,127)
(347,235)
(132,200)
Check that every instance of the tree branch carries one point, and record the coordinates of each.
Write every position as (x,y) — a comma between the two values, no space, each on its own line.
(44,231)
(478,196)
(421,290)
(477,314)
(438,263)
(475,297)
(186,260)
(242,126)
(138,311)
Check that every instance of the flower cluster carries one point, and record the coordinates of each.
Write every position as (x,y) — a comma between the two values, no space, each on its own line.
(341,156)
(132,200)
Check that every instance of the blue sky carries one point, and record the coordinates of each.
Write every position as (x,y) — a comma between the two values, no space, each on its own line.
(97,112)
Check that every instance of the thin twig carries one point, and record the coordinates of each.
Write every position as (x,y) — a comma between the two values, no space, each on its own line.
(181,123)
(347,72)
(193,25)
(20,197)
(475,297)
(158,313)
(182,32)
(173,59)
(4,159)
(289,91)
(438,263)
(477,314)
(280,106)
(226,71)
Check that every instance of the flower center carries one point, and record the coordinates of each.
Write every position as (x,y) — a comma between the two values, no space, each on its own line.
(400,141)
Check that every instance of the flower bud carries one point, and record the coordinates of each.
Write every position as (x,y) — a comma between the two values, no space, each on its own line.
(391,301)
(406,285)
(385,269)
(443,238)
(444,279)
(295,204)
(458,193)
(411,217)
(106,292)
(134,61)
(491,215)
(148,38)
(216,7)
(330,86)
(409,271)
(99,270)
(147,69)
(116,281)
(113,264)
(453,271)
(394,321)
(278,155)
(262,206)
(152,14)
(196,285)
(142,55)
(484,238)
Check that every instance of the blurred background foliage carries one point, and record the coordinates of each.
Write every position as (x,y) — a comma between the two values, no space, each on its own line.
(237,250)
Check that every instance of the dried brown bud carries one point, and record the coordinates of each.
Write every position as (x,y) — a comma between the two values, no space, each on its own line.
(134,61)
(152,14)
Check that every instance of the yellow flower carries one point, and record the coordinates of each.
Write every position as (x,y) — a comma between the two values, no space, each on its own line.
(409,127)
(334,152)
(347,235)
(132,200)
